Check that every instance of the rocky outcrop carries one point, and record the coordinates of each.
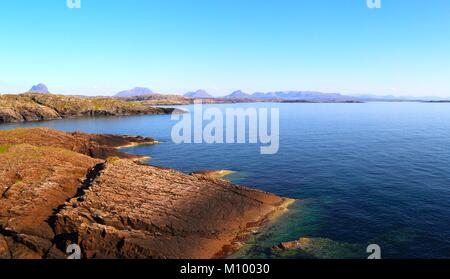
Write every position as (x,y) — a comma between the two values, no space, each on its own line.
(17,109)
(40,170)
(138,211)
(93,145)
(34,182)
(58,189)
(36,107)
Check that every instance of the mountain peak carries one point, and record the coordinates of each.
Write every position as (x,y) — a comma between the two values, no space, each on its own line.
(238,94)
(40,88)
(304,95)
(198,94)
(137,91)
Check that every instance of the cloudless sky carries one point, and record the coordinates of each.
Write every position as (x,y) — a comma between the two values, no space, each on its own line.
(174,46)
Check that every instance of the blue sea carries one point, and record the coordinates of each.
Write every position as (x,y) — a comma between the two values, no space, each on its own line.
(370,173)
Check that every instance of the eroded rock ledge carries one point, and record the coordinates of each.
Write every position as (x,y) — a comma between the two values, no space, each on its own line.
(93,145)
(34,182)
(60,190)
(139,211)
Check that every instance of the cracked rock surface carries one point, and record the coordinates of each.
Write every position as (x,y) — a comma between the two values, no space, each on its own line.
(34,182)
(57,189)
(138,211)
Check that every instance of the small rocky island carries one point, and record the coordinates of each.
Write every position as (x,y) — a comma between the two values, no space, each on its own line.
(62,188)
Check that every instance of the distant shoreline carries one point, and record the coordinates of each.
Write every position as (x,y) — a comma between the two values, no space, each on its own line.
(34,107)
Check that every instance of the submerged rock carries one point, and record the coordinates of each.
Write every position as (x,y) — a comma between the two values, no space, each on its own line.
(321,248)
(214,173)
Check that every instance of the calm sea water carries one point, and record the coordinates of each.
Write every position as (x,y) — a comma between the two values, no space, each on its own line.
(364,173)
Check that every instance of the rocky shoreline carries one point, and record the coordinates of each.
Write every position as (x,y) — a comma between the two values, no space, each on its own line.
(28,107)
(38,107)
(214,173)
(63,188)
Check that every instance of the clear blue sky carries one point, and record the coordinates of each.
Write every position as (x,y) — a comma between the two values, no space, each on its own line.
(173,46)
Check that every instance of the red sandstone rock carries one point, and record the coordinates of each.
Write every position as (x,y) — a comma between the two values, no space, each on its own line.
(52,194)
(137,211)
(34,182)
(97,146)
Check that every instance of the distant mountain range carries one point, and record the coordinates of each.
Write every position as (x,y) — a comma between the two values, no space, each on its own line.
(137,91)
(385,98)
(198,94)
(239,94)
(40,88)
(303,95)
(309,96)
(292,95)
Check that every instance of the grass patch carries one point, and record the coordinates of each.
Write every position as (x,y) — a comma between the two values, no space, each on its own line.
(112,159)
(4,148)
(12,134)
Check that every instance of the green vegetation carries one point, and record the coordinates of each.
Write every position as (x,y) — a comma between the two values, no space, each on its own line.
(4,148)
(112,159)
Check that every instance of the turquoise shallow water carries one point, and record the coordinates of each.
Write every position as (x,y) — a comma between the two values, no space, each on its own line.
(364,173)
